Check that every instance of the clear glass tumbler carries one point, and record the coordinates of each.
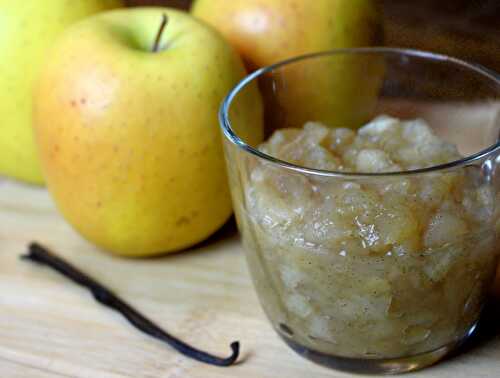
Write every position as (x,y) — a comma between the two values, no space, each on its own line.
(381,272)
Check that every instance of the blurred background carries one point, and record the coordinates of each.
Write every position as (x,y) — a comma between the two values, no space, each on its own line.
(468,29)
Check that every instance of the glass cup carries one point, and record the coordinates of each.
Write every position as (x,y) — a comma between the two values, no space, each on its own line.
(382,272)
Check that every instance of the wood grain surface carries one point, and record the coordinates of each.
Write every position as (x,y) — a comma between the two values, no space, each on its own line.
(51,328)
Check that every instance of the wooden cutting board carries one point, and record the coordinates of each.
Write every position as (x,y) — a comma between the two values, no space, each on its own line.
(51,328)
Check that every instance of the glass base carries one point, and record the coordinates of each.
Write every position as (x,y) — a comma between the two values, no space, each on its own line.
(373,366)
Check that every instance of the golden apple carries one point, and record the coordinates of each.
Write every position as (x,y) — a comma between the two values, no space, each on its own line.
(129,138)
(339,91)
(27,30)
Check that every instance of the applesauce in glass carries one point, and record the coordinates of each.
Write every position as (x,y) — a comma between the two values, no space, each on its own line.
(372,246)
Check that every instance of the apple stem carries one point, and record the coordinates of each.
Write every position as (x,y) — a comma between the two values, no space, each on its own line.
(164,22)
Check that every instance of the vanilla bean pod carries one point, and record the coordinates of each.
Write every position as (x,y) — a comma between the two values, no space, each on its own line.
(106,297)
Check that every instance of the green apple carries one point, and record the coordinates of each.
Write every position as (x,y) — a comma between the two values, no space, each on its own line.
(27,29)
(338,91)
(129,138)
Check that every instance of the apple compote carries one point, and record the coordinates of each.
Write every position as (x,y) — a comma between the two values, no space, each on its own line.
(375,266)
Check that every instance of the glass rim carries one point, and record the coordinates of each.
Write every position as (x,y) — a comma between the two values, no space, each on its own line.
(230,134)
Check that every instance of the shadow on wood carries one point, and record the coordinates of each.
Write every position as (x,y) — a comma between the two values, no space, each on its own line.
(487,329)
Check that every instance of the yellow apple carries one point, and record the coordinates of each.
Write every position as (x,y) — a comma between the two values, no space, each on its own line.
(338,91)
(129,138)
(27,29)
